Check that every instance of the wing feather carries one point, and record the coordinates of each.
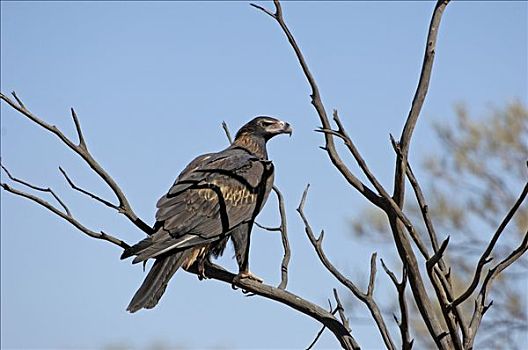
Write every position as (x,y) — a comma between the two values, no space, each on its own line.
(214,194)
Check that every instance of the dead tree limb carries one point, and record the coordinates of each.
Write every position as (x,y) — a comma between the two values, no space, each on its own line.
(485,257)
(442,338)
(318,335)
(403,323)
(368,297)
(81,149)
(480,302)
(66,215)
(327,319)
(318,105)
(404,248)
(287,298)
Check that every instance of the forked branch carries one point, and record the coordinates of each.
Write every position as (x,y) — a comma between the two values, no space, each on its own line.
(66,215)
(485,257)
(480,302)
(403,322)
(81,149)
(368,297)
(329,321)
(402,242)
(321,111)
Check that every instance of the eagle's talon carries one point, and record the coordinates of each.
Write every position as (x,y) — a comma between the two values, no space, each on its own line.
(201,274)
(201,269)
(248,275)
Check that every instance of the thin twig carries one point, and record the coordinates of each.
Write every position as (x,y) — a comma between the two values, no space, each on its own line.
(418,101)
(66,216)
(81,149)
(319,107)
(268,228)
(372,278)
(37,188)
(82,143)
(421,202)
(91,195)
(366,298)
(480,302)
(341,310)
(403,324)
(284,237)
(438,255)
(441,294)
(318,335)
(284,297)
(485,257)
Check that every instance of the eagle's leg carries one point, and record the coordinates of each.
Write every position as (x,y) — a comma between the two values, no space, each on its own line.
(202,265)
(201,269)
(241,237)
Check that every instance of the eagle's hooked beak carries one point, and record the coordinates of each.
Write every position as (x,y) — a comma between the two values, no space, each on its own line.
(285,128)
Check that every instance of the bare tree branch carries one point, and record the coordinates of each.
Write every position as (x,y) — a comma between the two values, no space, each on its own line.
(82,143)
(89,194)
(284,237)
(328,319)
(480,302)
(82,151)
(319,107)
(418,101)
(341,311)
(424,208)
(403,324)
(294,301)
(404,249)
(66,216)
(366,298)
(318,335)
(441,294)
(341,133)
(485,257)
(37,188)
(439,278)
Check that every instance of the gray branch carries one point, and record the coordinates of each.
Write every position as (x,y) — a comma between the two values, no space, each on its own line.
(367,298)
(66,215)
(485,257)
(403,324)
(81,149)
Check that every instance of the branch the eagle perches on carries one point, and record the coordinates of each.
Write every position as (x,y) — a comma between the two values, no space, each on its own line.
(449,329)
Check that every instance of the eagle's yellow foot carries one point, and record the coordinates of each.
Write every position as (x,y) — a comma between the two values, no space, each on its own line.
(248,275)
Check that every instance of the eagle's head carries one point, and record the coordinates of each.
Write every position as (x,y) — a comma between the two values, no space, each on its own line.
(265,127)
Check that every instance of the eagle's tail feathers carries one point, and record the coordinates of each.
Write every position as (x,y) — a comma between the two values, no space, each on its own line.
(154,285)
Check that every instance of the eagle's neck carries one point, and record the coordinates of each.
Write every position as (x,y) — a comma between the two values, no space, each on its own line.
(252,143)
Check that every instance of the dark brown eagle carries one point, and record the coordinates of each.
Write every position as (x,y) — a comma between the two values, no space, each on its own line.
(216,197)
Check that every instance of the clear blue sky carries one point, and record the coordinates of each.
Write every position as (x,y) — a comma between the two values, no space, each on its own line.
(151,82)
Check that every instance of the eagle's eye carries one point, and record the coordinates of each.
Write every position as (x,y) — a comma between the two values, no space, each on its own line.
(266,123)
